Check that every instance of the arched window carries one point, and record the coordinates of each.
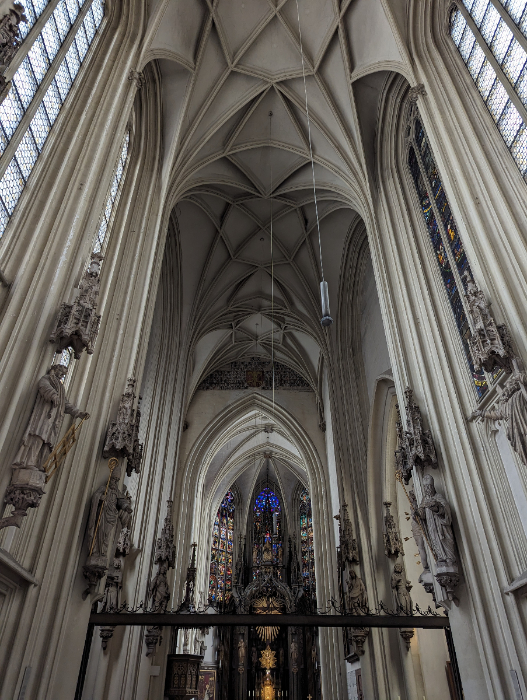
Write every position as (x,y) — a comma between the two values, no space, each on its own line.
(40,87)
(267,533)
(220,580)
(443,233)
(491,38)
(306,545)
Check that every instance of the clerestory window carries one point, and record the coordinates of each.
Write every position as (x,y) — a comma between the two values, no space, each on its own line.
(447,245)
(40,87)
(491,36)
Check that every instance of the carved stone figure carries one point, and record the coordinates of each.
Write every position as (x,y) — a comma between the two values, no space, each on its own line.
(416,445)
(242,647)
(417,532)
(511,407)
(45,422)
(137,78)
(78,323)
(392,541)
(158,594)
(401,589)
(357,595)
(435,511)
(40,437)
(10,41)
(490,344)
(348,544)
(294,656)
(122,438)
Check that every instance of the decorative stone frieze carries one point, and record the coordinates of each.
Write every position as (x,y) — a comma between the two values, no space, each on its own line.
(10,41)
(77,324)
(40,437)
(158,590)
(122,438)
(393,545)
(490,344)
(416,445)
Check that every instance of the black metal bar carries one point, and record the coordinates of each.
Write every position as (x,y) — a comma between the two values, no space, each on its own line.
(194,620)
(84,662)
(454,665)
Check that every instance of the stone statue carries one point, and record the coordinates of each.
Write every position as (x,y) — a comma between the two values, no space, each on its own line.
(434,510)
(242,646)
(392,542)
(417,532)
(159,591)
(77,324)
(294,656)
(357,595)
(107,502)
(511,407)
(40,437)
(45,423)
(401,588)
(348,544)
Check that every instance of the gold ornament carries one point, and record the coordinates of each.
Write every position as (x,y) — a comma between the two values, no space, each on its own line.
(268,659)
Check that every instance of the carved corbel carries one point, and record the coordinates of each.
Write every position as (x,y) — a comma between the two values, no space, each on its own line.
(77,324)
(10,41)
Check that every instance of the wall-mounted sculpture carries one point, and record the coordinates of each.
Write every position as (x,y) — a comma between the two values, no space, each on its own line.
(401,588)
(490,344)
(416,445)
(357,604)
(10,41)
(434,511)
(511,408)
(77,324)
(158,594)
(393,546)
(40,437)
(349,552)
(109,506)
(122,438)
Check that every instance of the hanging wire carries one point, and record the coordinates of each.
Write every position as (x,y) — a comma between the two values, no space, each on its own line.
(272,256)
(326,318)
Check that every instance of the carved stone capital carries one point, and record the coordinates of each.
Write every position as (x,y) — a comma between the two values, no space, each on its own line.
(93,573)
(106,633)
(359,636)
(407,635)
(24,492)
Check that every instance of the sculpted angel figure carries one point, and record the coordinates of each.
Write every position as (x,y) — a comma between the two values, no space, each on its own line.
(511,407)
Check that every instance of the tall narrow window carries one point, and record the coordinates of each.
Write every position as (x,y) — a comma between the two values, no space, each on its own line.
(306,545)
(220,579)
(491,38)
(267,533)
(443,233)
(40,87)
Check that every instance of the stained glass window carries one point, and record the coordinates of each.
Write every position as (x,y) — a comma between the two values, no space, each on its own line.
(220,578)
(267,534)
(495,88)
(306,545)
(113,194)
(31,73)
(444,235)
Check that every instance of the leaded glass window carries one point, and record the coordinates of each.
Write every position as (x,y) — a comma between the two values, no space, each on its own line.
(113,195)
(495,53)
(442,228)
(72,25)
(220,578)
(267,532)
(306,545)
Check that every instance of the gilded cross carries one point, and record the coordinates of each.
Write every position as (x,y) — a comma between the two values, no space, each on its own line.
(309,697)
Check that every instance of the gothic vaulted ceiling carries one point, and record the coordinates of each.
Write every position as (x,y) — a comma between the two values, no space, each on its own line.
(237,161)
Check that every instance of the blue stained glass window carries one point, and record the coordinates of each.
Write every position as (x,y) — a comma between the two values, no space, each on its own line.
(266,499)
(25,84)
(307,552)
(428,182)
(220,573)
(511,58)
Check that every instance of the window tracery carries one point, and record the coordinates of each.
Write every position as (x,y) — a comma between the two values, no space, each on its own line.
(306,544)
(443,233)
(220,578)
(496,58)
(72,25)
(267,531)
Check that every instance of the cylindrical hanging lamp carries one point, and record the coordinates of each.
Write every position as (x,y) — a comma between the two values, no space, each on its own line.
(326,319)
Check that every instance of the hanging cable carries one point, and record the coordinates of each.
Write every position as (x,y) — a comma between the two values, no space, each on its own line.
(326,319)
(272,256)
